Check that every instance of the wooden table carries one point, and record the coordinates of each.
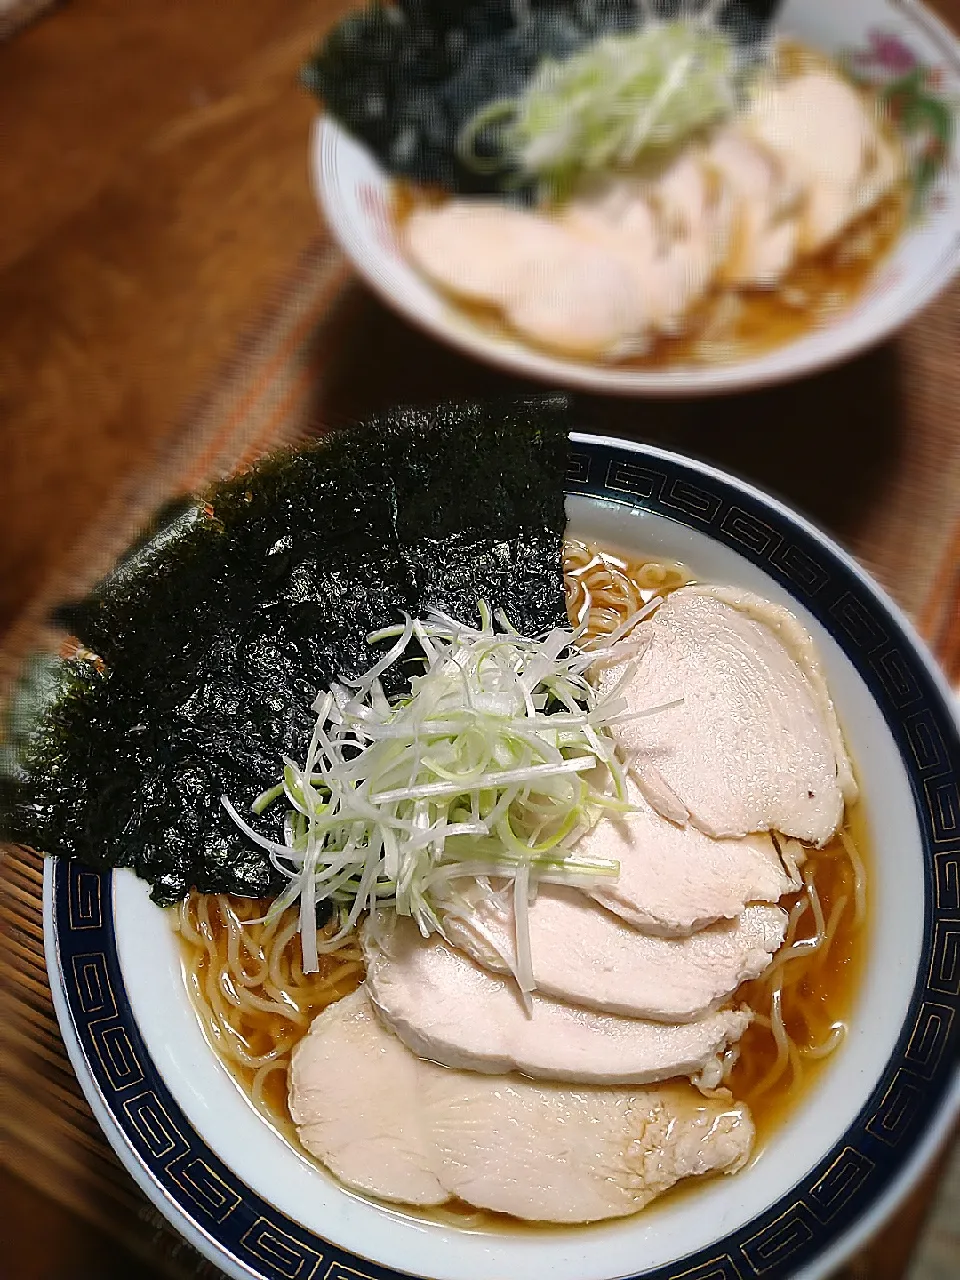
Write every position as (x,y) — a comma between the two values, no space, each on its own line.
(153,187)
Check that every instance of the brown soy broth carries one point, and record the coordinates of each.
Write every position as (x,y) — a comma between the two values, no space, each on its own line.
(745,323)
(262,1030)
(819,994)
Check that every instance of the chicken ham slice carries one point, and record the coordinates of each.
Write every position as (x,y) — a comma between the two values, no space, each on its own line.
(765,241)
(829,141)
(557,1154)
(596,281)
(585,955)
(446,1008)
(755,744)
(474,248)
(672,235)
(674,880)
(578,297)
(353,1095)
(559,289)
(393,1126)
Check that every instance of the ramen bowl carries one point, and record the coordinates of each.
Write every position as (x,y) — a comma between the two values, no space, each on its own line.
(889,39)
(823,1179)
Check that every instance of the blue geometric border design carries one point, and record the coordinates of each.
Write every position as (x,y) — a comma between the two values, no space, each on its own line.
(895,1119)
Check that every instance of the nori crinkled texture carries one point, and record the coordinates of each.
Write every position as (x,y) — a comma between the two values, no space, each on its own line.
(216,636)
(407,77)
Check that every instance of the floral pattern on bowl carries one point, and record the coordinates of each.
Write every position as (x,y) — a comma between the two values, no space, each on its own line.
(913,94)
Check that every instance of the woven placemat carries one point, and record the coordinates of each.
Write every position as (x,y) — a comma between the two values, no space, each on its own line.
(871,449)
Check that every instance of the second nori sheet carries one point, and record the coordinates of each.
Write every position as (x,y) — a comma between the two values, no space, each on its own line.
(216,638)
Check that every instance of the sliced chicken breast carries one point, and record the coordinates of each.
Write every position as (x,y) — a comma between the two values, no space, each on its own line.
(586,955)
(696,213)
(475,248)
(672,235)
(598,280)
(354,1097)
(693,205)
(617,213)
(578,297)
(755,745)
(799,644)
(825,135)
(661,248)
(675,880)
(765,239)
(559,289)
(557,1154)
(446,1008)
(536,1151)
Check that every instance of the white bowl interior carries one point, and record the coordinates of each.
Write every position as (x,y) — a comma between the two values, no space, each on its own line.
(355,196)
(229,1125)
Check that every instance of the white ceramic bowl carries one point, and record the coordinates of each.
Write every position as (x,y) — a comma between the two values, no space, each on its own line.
(825,1179)
(354,193)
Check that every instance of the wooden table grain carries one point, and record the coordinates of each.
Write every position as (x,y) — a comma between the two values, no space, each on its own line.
(153,186)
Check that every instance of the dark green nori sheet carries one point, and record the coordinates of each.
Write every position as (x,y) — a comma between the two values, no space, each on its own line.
(216,636)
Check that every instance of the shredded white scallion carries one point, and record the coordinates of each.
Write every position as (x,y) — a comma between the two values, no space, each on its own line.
(492,767)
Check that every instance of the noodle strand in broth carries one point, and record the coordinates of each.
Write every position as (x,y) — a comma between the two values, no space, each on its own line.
(247,983)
